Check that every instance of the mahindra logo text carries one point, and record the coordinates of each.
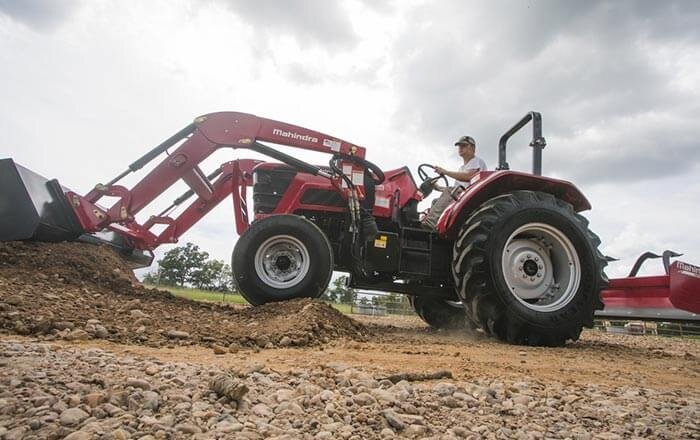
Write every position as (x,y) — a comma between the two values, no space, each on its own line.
(689,268)
(294,135)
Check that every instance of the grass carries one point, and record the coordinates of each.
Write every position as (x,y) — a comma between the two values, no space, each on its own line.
(204,295)
(229,298)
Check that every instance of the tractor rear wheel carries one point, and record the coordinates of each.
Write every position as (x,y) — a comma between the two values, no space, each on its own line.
(528,269)
(280,258)
(439,313)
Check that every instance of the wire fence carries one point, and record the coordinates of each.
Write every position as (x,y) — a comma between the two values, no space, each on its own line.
(370,303)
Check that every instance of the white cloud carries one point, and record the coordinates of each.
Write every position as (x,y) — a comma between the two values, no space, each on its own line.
(91,86)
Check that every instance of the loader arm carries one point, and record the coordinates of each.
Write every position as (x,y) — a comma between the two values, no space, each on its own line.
(184,152)
(207,134)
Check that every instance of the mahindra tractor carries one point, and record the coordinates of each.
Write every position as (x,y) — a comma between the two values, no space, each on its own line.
(511,255)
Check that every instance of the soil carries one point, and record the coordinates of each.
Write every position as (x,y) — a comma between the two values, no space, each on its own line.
(83,291)
(72,302)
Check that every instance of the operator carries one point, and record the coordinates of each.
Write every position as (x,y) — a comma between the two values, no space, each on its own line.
(463,178)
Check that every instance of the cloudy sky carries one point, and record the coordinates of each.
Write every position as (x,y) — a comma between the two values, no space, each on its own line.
(89,86)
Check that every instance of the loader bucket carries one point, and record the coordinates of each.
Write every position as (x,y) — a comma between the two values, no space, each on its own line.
(33,207)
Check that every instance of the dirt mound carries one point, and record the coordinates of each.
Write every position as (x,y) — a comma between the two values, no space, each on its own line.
(82,291)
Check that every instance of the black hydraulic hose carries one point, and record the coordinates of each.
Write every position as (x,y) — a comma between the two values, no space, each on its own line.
(289,160)
(189,193)
(143,160)
(364,163)
(172,140)
(338,171)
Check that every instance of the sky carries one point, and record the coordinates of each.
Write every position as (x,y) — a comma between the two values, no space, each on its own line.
(89,86)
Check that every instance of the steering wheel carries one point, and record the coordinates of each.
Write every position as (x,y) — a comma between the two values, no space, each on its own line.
(428,184)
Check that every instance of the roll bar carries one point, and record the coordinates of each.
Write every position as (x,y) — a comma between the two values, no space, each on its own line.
(538,142)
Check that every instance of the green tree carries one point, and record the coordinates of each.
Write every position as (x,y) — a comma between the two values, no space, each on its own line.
(394,302)
(330,295)
(204,276)
(339,292)
(223,279)
(151,278)
(178,264)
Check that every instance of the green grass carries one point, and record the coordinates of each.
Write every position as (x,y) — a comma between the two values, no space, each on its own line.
(342,308)
(229,298)
(204,295)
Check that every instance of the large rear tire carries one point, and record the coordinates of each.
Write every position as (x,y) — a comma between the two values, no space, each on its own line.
(280,258)
(438,313)
(528,269)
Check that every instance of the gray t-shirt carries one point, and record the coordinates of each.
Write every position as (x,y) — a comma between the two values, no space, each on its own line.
(474,164)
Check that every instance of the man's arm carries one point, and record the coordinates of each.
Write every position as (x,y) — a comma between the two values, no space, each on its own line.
(462,176)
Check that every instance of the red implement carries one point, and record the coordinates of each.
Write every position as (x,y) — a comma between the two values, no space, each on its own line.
(672,297)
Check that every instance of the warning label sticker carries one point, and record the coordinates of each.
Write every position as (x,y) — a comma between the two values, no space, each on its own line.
(358,178)
(382,202)
(381,242)
(333,145)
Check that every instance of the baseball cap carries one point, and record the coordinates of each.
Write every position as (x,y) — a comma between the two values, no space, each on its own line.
(466,140)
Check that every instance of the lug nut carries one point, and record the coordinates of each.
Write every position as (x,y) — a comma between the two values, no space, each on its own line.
(540,266)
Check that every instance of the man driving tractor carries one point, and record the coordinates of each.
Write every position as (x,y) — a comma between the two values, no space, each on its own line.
(471,166)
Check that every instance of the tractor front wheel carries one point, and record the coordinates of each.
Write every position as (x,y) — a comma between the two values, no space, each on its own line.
(528,269)
(280,258)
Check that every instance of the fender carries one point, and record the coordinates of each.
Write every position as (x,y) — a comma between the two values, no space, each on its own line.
(494,183)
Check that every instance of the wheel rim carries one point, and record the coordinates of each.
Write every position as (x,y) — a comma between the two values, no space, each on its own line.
(541,267)
(282,261)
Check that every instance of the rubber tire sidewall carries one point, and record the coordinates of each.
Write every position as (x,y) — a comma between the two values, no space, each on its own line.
(314,283)
(438,313)
(578,307)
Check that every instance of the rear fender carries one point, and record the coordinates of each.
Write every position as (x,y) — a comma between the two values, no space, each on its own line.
(494,183)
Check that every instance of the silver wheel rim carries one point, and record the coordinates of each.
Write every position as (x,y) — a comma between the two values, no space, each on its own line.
(541,267)
(282,261)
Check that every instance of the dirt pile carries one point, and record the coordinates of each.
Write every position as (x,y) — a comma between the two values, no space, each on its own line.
(81,291)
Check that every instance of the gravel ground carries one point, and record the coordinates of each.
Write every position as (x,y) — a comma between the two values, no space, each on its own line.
(88,353)
(61,391)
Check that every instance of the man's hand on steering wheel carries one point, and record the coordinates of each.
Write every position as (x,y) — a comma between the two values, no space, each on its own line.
(440,170)
(429,183)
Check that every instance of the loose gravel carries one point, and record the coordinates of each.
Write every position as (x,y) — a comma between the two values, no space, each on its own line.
(57,391)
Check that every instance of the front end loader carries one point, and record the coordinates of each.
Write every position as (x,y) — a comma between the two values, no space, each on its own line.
(511,254)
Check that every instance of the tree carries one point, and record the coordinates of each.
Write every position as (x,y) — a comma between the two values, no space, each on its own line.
(330,296)
(151,278)
(223,279)
(340,292)
(203,277)
(394,302)
(212,275)
(178,264)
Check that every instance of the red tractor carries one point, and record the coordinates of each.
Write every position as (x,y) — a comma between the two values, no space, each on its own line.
(511,255)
